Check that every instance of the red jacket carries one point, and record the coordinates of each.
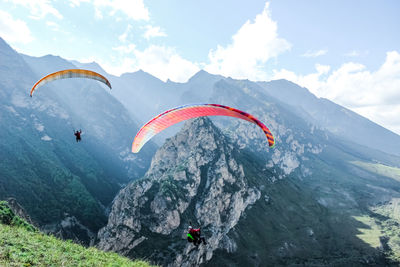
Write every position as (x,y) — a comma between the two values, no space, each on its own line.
(194,232)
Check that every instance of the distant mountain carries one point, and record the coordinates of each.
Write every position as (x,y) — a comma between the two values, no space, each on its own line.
(146,96)
(93,66)
(335,118)
(42,166)
(142,94)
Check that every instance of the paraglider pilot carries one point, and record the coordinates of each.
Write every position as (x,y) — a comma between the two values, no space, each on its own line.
(194,236)
(78,135)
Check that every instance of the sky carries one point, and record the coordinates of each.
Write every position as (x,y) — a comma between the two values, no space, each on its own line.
(345,51)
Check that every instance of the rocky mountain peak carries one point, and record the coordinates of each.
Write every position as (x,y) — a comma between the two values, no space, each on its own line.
(196,176)
(202,75)
(186,144)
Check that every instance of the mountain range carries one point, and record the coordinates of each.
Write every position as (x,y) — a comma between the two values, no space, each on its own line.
(327,194)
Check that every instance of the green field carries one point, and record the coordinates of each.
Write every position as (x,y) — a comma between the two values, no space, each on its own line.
(380,169)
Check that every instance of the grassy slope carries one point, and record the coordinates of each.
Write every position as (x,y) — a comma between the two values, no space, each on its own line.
(22,245)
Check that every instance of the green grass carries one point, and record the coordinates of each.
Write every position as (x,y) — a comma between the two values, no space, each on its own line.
(8,217)
(387,216)
(380,169)
(371,233)
(381,228)
(23,245)
(19,247)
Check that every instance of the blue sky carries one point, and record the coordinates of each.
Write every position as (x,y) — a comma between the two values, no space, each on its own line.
(346,51)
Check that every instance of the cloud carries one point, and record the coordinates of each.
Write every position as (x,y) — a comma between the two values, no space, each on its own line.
(252,46)
(161,61)
(125,49)
(14,30)
(117,67)
(77,3)
(386,115)
(373,94)
(38,8)
(123,36)
(133,9)
(165,63)
(356,53)
(53,25)
(317,53)
(153,32)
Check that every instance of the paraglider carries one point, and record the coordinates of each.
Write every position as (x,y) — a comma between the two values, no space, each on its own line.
(78,135)
(70,73)
(194,236)
(178,114)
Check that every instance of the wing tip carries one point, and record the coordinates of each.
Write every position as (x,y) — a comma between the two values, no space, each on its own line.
(135,148)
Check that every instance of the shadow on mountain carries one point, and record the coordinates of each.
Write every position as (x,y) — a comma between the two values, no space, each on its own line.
(290,228)
(341,215)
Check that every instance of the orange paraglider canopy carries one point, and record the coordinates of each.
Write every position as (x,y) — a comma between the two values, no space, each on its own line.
(70,73)
(175,115)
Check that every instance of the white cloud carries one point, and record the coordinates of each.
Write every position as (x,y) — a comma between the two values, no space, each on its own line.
(14,30)
(153,32)
(252,46)
(317,53)
(125,49)
(133,9)
(38,8)
(375,95)
(123,36)
(77,3)
(126,64)
(53,25)
(163,62)
(98,14)
(385,115)
(353,53)
(357,53)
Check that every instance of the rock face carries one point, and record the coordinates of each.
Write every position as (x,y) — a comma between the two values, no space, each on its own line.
(20,211)
(71,229)
(286,208)
(194,177)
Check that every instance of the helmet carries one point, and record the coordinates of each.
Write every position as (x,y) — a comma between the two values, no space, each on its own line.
(190,227)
